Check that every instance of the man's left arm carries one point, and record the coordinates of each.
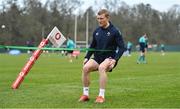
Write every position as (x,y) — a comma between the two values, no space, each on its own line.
(120,44)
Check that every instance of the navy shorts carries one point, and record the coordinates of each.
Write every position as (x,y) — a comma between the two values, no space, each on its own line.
(162,48)
(70,51)
(142,47)
(100,60)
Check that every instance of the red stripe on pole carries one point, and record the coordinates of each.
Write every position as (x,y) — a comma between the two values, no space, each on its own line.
(29,65)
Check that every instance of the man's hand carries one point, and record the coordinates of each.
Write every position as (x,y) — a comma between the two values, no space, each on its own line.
(112,62)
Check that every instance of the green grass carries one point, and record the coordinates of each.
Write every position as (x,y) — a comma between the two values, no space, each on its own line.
(53,82)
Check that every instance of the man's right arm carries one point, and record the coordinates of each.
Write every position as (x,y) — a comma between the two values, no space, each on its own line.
(92,46)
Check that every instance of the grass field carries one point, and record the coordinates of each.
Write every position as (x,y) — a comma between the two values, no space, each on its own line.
(53,82)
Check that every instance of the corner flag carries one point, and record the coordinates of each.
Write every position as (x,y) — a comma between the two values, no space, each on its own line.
(56,38)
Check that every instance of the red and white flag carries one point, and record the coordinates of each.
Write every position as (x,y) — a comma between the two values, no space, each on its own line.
(56,37)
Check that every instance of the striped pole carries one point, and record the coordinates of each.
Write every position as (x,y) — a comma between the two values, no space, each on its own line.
(29,64)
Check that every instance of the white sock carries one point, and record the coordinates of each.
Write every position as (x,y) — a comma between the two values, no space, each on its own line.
(101,92)
(86,91)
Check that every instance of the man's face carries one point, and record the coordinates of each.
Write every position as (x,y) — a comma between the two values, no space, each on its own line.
(102,20)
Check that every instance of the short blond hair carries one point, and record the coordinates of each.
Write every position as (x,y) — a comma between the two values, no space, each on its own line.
(104,11)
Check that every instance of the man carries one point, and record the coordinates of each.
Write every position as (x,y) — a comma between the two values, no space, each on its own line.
(162,49)
(129,47)
(142,45)
(70,45)
(146,43)
(108,40)
(30,44)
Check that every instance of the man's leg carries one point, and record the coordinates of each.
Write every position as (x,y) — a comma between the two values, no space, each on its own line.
(105,66)
(70,57)
(90,66)
(143,56)
(140,58)
(144,59)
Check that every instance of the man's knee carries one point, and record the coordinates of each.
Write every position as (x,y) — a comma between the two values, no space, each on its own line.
(86,69)
(102,68)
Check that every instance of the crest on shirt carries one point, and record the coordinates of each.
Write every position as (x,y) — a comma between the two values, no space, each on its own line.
(97,34)
(108,33)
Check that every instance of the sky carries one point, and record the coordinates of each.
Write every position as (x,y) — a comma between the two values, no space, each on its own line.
(161,5)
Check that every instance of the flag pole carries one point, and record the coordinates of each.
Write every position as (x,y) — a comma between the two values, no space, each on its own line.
(27,67)
(56,38)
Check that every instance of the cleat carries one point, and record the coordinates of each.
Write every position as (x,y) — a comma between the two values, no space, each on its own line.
(138,62)
(100,99)
(84,98)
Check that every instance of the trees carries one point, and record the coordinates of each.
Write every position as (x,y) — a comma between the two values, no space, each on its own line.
(33,20)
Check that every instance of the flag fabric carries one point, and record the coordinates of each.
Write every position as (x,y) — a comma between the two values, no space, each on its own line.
(56,37)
